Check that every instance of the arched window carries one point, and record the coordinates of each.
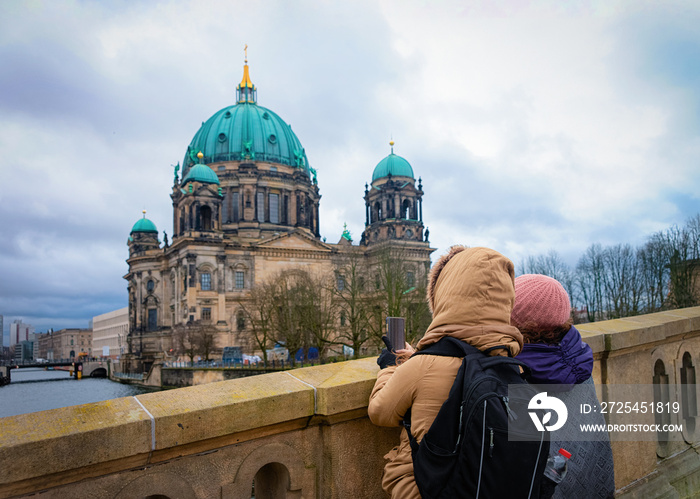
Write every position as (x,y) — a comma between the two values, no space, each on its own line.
(406,209)
(689,396)
(150,285)
(205,213)
(661,396)
(240,320)
(410,280)
(271,481)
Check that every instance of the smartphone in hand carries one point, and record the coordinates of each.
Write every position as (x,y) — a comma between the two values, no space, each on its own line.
(395,327)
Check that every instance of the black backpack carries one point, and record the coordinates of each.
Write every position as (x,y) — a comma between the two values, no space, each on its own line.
(466,452)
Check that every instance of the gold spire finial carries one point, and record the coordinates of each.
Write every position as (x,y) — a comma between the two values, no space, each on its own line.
(245,82)
(391,143)
(144,213)
(200,155)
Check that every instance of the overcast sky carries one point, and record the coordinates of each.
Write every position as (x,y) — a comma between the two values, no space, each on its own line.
(534,125)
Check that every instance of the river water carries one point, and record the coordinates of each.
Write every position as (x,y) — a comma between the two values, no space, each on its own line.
(35,390)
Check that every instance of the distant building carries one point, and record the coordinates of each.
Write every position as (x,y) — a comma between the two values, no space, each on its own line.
(24,351)
(65,344)
(2,331)
(109,332)
(19,332)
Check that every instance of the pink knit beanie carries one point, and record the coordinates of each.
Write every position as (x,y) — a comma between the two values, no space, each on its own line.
(540,301)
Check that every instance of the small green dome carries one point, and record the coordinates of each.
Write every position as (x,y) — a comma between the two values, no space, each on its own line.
(201,173)
(394,165)
(144,225)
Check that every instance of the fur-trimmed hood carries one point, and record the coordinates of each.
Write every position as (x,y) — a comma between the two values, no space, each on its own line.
(472,289)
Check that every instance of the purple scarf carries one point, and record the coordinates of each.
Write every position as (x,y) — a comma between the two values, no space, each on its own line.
(568,363)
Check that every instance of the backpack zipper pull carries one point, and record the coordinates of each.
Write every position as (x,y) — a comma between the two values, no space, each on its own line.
(491,443)
(511,415)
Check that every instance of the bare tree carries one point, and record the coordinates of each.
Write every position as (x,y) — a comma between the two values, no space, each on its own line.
(399,291)
(303,315)
(316,309)
(683,263)
(621,281)
(654,270)
(206,339)
(417,313)
(589,277)
(259,310)
(350,295)
(195,338)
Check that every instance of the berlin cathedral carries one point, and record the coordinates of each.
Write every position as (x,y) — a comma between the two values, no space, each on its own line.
(246,207)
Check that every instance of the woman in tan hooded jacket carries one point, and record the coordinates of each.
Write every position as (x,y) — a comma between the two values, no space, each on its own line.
(471,294)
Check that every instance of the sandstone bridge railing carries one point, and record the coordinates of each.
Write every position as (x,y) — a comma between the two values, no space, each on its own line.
(305,433)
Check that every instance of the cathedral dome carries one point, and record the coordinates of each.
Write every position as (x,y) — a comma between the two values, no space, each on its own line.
(246,131)
(201,173)
(392,165)
(144,225)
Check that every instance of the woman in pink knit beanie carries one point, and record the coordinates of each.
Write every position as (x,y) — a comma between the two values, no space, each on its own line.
(558,357)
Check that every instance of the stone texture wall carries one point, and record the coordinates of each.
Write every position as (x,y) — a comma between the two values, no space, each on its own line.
(301,433)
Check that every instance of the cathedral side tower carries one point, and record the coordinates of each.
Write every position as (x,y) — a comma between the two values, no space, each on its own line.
(393,203)
(197,204)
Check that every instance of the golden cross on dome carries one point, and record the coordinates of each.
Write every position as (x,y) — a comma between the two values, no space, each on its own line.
(245,49)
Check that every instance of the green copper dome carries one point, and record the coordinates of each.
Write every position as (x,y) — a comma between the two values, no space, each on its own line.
(246,131)
(144,225)
(201,173)
(394,165)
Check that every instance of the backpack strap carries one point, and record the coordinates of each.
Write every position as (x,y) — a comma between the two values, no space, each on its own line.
(445,347)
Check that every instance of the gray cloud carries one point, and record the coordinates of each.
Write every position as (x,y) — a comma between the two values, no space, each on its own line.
(547,130)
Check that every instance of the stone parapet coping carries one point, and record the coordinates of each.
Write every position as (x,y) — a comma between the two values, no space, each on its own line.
(620,334)
(157,426)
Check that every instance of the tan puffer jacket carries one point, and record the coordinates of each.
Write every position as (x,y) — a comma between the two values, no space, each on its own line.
(471,294)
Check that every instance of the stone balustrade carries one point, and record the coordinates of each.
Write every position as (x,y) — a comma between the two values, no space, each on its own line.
(305,433)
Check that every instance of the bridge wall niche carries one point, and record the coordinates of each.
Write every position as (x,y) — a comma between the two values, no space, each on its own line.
(305,433)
